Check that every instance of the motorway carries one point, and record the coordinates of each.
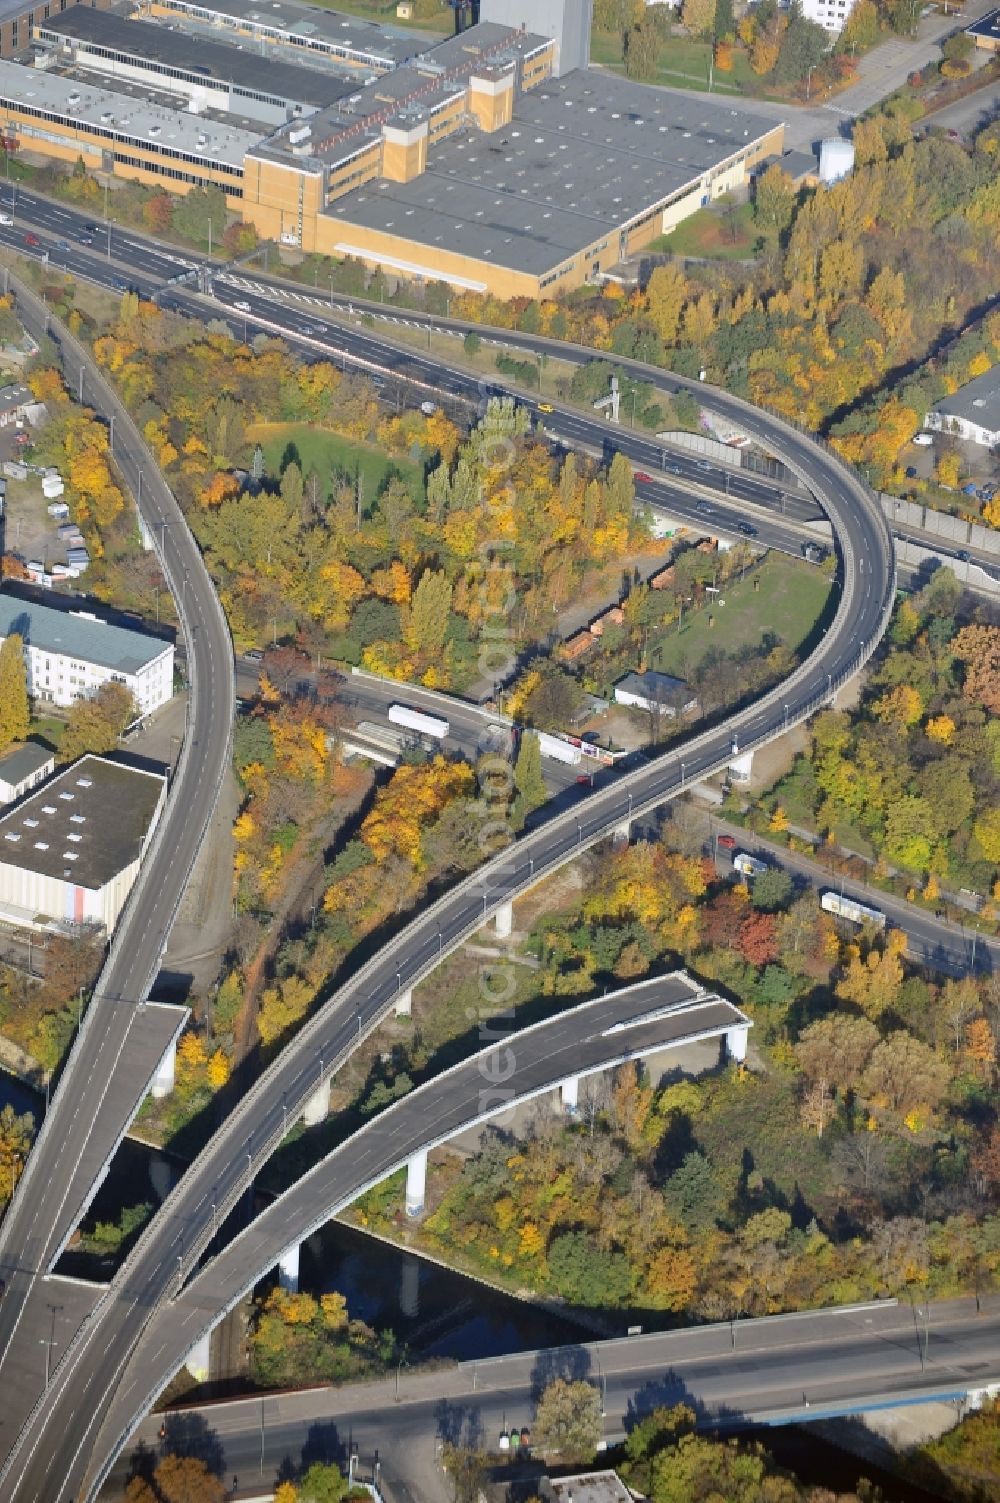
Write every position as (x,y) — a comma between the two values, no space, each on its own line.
(762,1371)
(96,1097)
(61,1429)
(598,1035)
(695,492)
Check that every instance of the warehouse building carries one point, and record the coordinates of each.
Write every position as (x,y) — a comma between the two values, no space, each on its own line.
(70,853)
(491,161)
(18,17)
(70,654)
(207,75)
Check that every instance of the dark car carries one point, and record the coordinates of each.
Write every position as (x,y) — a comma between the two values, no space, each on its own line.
(92,229)
(84,239)
(30,239)
(728,841)
(962,554)
(747,528)
(703,509)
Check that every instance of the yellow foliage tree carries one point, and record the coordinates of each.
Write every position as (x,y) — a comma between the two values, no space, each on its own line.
(941,728)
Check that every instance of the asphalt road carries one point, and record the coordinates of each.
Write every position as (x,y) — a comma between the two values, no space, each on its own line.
(939,944)
(765,1371)
(97,1097)
(696,492)
(60,1432)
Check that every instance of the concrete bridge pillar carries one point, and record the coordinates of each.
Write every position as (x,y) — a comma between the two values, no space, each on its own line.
(198,1361)
(288,1269)
(505,921)
(623,832)
(416,1183)
(736,1044)
(569,1093)
(317,1108)
(163,1080)
(404,1004)
(741,767)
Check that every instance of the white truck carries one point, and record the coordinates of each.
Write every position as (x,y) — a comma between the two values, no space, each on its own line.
(747,865)
(849,908)
(417,720)
(558,749)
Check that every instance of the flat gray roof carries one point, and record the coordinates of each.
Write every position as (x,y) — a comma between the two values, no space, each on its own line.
(583,156)
(82,637)
(308,23)
(85,825)
(124,117)
(978,402)
(151,44)
(650,684)
(21,761)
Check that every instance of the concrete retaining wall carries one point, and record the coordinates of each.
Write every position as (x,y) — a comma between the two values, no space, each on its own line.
(965,534)
(970,574)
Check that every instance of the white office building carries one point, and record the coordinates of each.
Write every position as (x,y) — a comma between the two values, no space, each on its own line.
(70,654)
(830,14)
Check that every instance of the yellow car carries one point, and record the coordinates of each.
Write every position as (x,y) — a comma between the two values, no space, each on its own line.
(546,407)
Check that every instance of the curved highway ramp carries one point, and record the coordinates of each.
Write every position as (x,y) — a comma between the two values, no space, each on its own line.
(637,1021)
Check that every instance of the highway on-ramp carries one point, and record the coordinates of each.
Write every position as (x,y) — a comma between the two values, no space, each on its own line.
(96,1099)
(59,1432)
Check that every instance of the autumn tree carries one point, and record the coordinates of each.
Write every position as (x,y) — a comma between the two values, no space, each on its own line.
(699,17)
(14,711)
(905,1075)
(16,1133)
(96,721)
(187,1479)
(978,647)
(834,1051)
(774,200)
(873,983)
(568,1422)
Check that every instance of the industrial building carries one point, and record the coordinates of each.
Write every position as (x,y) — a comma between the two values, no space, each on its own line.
(494,160)
(70,654)
(18,17)
(986,32)
(22,767)
(70,853)
(972,412)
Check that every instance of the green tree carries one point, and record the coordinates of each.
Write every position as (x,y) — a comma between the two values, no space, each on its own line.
(693,1195)
(803,47)
(426,624)
(96,721)
(472,343)
(642,49)
(467,1468)
(195,211)
(584,1274)
(528,780)
(14,714)
(771,890)
(323,1483)
(568,1422)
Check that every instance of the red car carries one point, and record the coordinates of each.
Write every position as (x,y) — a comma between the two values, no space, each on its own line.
(728,842)
(30,239)
(641,475)
(585,777)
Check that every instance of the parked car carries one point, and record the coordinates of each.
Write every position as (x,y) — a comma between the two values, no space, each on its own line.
(923,440)
(728,842)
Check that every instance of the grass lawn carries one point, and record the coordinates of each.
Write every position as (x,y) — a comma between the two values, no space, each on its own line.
(724,232)
(683,63)
(322,451)
(788,604)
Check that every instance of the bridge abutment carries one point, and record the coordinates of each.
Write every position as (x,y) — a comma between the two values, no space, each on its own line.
(198,1361)
(623,832)
(569,1093)
(416,1183)
(741,767)
(163,1080)
(404,1004)
(317,1108)
(288,1269)
(736,1044)
(505,921)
